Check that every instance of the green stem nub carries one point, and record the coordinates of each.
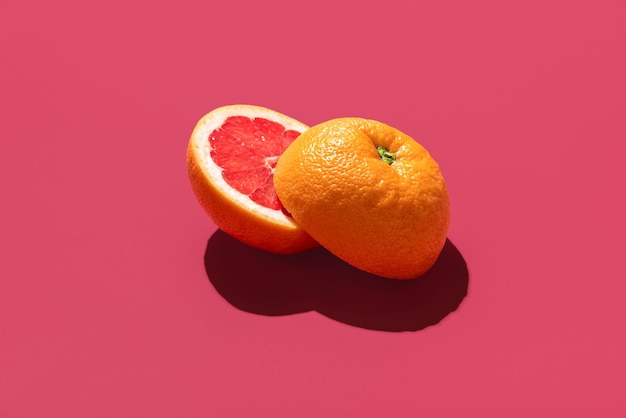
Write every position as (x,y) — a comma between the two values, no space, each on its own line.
(385,155)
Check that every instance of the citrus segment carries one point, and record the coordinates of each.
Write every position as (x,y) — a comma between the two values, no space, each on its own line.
(247,151)
(367,192)
(231,158)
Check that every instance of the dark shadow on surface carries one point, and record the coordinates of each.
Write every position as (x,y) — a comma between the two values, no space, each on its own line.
(268,284)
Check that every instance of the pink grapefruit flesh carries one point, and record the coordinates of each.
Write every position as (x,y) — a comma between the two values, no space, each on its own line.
(247,151)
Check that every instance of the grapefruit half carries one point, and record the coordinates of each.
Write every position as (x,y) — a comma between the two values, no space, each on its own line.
(231,157)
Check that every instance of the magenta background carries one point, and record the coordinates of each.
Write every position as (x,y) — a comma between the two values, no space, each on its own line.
(106,306)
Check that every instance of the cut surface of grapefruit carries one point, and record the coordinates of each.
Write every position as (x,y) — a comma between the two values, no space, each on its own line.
(231,157)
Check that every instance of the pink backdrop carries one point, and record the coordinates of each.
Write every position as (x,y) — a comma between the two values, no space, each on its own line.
(118,298)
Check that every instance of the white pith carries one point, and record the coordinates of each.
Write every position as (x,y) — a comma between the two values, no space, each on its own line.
(202,149)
